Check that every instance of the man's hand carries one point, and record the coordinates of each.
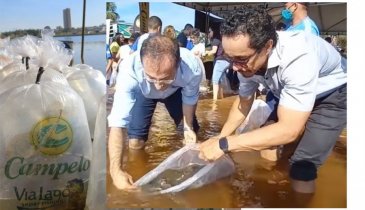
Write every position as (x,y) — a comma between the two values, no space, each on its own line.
(189,136)
(209,150)
(122,180)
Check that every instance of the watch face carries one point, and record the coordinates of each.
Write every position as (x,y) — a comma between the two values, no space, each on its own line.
(223,144)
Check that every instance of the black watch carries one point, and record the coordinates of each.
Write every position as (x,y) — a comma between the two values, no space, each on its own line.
(223,144)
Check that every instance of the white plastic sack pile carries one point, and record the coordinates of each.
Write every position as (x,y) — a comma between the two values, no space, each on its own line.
(89,83)
(211,172)
(11,68)
(96,193)
(5,55)
(45,147)
(25,49)
(257,116)
(22,77)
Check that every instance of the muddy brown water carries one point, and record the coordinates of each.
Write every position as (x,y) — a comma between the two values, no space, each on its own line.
(256,182)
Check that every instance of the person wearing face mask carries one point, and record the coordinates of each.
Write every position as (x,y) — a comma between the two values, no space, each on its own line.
(159,72)
(309,80)
(296,16)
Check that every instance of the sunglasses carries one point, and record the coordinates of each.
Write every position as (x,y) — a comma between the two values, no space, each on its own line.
(242,61)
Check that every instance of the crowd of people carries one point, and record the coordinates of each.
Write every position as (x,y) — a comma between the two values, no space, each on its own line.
(304,76)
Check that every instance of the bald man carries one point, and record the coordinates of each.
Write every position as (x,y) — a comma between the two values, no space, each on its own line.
(159,72)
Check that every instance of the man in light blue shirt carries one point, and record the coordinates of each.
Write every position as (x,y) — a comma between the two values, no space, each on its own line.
(160,72)
(296,14)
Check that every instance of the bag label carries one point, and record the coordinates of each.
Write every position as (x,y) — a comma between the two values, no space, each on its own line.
(52,136)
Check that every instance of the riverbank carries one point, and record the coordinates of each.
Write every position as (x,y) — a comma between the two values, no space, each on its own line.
(89,34)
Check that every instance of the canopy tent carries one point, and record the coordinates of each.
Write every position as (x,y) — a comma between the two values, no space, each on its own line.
(125,29)
(330,17)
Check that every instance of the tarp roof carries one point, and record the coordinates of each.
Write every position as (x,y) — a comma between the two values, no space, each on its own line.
(330,17)
(125,29)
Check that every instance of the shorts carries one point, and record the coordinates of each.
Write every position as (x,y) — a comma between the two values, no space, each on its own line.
(219,69)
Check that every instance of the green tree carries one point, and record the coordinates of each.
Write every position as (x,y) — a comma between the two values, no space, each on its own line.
(111,13)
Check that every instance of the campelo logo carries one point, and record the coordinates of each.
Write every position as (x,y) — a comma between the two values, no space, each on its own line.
(52,136)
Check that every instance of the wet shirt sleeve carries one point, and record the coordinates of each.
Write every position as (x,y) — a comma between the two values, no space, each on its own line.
(124,97)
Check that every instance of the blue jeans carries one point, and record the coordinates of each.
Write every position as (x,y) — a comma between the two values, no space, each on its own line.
(143,111)
(220,67)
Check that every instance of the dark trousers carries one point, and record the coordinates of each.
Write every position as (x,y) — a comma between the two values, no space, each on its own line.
(144,108)
(324,126)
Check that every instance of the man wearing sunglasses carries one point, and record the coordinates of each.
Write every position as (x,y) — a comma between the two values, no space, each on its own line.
(159,72)
(308,78)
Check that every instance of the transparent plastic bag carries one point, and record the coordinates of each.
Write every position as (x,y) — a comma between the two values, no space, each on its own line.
(257,116)
(89,83)
(6,58)
(45,147)
(203,83)
(21,77)
(96,194)
(184,157)
(9,69)
(4,42)
(26,46)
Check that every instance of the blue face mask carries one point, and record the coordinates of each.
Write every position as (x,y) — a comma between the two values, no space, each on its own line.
(287,14)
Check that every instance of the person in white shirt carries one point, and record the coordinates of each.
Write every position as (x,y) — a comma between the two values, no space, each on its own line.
(199,47)
(126,50)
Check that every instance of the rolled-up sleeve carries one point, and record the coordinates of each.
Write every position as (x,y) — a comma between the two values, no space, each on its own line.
(190,93)
(124,96)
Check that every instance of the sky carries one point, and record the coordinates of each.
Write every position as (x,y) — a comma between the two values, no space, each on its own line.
(170,13)
(36,14)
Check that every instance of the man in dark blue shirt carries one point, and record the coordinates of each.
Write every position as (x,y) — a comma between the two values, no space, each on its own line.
(182,38)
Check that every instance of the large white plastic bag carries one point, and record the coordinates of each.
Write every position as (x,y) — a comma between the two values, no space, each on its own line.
(10,68)
(189,154)
(96,194)
(20,78)
(45,147)
(26,46)
(6,57)
(257,116)
(89,83)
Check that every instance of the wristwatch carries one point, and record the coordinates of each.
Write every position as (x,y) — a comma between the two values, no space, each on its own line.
(223,144)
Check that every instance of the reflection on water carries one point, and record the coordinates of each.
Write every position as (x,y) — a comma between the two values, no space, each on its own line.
(256,182)
(94,50)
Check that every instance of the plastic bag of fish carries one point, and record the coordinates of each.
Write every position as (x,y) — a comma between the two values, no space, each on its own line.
(257,116)
(184,170)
